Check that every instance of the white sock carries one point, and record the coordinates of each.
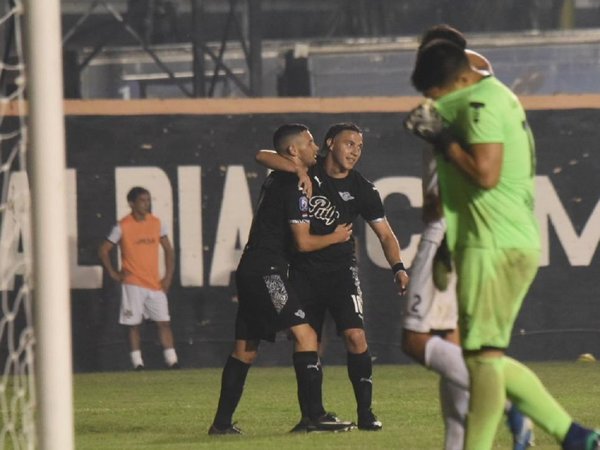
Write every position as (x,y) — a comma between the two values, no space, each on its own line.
(455,405)
(170,356)
(136,358)
(446,359)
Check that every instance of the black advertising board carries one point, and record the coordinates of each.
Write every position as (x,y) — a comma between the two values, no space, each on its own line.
(198,162)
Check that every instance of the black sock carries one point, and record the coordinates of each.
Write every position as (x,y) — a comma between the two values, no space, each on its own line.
(576,437)
(360,369)
(232,386)
(309,376)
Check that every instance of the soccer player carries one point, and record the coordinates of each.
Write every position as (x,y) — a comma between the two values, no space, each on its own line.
(486,166)
(143,292)
(430,334)
(267,302)
(327,279)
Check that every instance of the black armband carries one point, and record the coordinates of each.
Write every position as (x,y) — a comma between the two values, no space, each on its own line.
(398,267)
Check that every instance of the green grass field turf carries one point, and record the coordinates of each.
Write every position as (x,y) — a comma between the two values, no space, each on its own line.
(173,409)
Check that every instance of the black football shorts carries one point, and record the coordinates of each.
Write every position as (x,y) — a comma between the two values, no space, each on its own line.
(335,291)
(267,301)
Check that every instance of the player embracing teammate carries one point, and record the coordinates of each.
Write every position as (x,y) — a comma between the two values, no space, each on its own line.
(327,279)
(485,159)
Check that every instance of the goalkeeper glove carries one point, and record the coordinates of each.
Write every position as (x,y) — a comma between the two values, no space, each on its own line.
(426,123)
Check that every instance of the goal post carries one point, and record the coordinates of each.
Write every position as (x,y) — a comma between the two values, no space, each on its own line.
(47,178)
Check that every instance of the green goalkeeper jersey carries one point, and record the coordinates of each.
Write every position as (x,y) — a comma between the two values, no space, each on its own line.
(501,217)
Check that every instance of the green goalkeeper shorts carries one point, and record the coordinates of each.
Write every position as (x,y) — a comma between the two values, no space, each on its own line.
(491,286)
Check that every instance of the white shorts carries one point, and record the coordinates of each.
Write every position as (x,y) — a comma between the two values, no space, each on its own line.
(427,308)
(139,303)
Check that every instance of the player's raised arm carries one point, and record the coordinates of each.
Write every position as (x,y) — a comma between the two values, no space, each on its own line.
(274,161)
(478,61)
(482,164)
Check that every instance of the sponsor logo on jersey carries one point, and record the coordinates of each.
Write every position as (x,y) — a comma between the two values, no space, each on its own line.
(346,196)
(145,241)
(300,314)
(322,209)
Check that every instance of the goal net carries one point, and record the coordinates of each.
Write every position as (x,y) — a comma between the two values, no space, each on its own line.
(17,383)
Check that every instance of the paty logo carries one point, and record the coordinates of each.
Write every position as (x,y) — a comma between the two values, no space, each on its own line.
(321,208)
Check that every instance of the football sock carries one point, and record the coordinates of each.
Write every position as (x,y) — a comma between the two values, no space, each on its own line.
(446,359)
(360,370)
(454,401)
(232,386)
(531,397)
(578,438)
(309,377)
(488,397)
(136,358)
(170,356)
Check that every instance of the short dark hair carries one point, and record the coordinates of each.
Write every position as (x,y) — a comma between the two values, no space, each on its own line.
(135,192)
(438,63)
(443,31)
(285,131)
(336,129)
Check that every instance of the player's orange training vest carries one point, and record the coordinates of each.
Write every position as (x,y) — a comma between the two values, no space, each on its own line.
(139,251)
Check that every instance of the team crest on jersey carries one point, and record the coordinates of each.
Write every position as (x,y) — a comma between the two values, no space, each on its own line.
(322,209)
(303,204)
(346,196)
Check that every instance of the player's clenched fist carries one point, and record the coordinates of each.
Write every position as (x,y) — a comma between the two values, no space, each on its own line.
(426,123)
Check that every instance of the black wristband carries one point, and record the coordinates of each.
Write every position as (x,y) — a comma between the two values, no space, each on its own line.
(398,267)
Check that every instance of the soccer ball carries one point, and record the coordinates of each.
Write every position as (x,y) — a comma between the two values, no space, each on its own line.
(586,357)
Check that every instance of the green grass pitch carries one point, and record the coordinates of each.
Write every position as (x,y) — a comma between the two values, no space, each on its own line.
(173,409)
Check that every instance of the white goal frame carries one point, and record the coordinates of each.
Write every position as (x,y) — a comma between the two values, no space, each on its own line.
(47,176)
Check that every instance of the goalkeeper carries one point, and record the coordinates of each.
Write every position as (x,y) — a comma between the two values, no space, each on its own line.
(486,168)
(430,334)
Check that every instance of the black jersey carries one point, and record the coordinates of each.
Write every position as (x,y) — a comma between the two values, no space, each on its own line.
(337,201)
(281,202)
